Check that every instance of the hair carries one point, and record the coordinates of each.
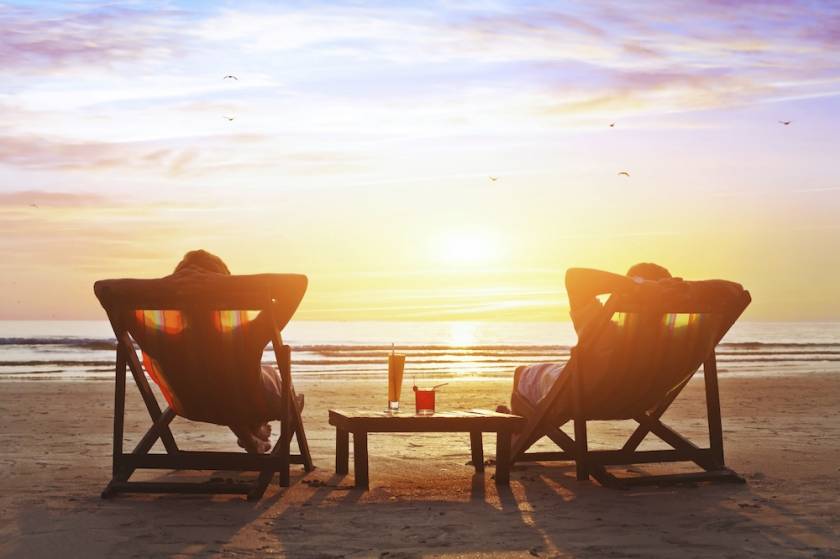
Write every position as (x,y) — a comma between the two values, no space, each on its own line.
(648,271)
(202,260)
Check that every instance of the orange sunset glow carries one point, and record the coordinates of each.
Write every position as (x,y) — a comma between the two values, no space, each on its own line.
(417,163)
(421,279)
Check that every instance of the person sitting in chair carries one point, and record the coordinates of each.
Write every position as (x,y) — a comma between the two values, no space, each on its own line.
(253,437)
(583,286)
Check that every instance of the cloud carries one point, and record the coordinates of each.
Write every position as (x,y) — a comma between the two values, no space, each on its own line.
(44,198)
(694,56)
(529,21)
(663,91)
(39,153)
(46,41)
(41,229)
(174,158)
(669,56)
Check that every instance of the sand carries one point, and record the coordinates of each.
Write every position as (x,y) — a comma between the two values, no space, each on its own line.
(782,434)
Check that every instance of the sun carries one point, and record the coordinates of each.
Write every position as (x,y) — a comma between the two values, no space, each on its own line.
(467,248)
(463,334)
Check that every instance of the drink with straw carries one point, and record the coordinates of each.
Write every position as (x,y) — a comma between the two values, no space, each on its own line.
(396,366)
(424,400)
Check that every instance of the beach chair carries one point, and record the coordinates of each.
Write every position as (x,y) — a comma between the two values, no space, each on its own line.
(656,349)
(193,332)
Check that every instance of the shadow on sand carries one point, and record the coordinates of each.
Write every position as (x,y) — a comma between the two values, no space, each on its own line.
(544,513)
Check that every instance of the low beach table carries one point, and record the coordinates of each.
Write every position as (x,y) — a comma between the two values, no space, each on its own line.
(474,422)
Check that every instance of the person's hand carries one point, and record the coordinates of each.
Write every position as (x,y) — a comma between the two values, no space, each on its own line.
(672,287)
(647,291)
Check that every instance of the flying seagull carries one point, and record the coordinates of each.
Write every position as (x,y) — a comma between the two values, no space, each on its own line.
(785,122)
(625,173)
(612,125)
(231,76)
(494,179)
(228,118)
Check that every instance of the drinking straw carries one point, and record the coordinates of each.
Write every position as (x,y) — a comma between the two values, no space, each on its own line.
(435,387)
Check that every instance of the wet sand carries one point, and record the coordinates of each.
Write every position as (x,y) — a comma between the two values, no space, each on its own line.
(782,434)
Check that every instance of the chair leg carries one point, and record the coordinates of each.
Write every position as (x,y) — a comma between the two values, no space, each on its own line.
(581,450)
(108,492)
(300,435)
(119,419)
(713,409)
(119,409)
(283,452)
(258,490)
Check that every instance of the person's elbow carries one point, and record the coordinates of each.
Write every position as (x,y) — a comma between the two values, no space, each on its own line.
(573,278)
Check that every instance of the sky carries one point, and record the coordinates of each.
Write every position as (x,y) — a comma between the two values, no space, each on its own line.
(357,144)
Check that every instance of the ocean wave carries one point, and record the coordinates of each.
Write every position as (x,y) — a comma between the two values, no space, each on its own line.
(760,345)
(488,362)
(56,363)
(80,343)
(376,349)
(383,349)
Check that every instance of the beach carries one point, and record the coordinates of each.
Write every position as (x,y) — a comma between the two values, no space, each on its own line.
(782,433)
(623,192)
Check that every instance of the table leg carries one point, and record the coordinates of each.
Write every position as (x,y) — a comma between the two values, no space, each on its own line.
(342,451)
(503,457)
(477,450)
(360,459)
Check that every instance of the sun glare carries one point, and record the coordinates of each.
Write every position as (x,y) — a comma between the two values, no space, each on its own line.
(467,248)
(462,334)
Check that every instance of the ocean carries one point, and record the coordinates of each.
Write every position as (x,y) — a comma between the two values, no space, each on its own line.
(84,350)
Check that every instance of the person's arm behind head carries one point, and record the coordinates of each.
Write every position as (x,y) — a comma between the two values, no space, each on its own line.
(585,284)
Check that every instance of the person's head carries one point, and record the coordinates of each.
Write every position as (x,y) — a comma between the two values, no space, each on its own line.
(648,271)
(202,260)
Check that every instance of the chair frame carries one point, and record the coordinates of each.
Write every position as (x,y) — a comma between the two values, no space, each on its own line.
(542,423)
(126,463)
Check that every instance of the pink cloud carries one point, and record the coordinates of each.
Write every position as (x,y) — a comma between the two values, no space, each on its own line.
(534,21)
(49,199)
(184,157)
(41,42)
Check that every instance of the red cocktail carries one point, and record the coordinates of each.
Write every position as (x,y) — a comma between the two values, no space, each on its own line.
(424,401)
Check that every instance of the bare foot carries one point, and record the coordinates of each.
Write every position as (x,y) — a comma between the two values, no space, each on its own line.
(249,444)
(254,445)
(246,439)
(262,432)
(503,409)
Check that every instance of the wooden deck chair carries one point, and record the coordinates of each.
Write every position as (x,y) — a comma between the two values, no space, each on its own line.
(656,349)
(193,330)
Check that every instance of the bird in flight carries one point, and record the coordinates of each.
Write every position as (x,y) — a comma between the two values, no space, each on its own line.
(625,173)
(785,122)
(230,76)
(612,125)
(228,118)
(494,179)
(33,205)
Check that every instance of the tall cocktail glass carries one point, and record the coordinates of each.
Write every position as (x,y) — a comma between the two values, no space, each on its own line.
(396,366)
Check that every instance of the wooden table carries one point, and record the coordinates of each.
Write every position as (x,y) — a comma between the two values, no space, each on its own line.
(474,422)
